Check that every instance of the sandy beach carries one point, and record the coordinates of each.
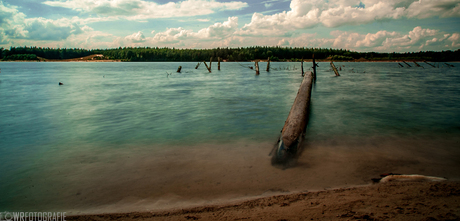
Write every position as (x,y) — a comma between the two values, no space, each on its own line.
(383,201)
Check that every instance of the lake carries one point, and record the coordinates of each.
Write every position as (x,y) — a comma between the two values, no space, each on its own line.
(141,137)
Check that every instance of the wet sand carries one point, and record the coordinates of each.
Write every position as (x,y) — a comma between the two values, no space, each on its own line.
(383,201)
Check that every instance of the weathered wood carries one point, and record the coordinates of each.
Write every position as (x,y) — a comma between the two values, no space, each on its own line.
(301,67)
(416,64)
(314,68)
(218,63)
(400,65)
(197,65)
(178,69)
(335,69)
(296,122)
(209,68)
(407,64)
(429,64)
(257,67)
(268,64)
(210,64)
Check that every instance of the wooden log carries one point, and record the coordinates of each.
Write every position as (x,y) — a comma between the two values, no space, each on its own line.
(335,69)
(314,68)
(301,67)
(429,64)
(209,68)
(218,63)
(296,122)
(197,65)
(407,64)
(178,69)
(257,67)
(268,64)
(210,63)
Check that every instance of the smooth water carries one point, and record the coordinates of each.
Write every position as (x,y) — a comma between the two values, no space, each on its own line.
(130,136)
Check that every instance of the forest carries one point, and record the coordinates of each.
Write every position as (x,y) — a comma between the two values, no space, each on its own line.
(229,54)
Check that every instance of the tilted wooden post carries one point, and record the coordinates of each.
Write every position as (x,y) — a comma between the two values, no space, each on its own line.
(430,64)
(257,67)
(268,64)
(218,63)
(400,65)
(178,69)
(296,122)
(416,64)
(301,67)
(314,68)
(210,63)
(407,64)
(209,68)
(335,69)
(197,65)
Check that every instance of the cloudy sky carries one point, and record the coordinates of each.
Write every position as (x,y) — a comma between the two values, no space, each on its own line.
(360,25)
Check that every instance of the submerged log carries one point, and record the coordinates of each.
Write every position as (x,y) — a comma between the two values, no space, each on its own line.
(314,68)
(429,64)
(449,65)
(209,68)
(218,63)
(335,69)
(294,127)
(400,65)
(416,64)
(301,67)
(407,64)
(268,64)
(210,64)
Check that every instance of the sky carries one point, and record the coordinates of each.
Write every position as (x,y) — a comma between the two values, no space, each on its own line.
(357,25)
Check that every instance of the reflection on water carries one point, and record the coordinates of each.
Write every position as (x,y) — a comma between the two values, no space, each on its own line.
(125,136)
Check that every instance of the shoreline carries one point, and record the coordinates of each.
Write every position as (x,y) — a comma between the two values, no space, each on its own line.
(305,60)
(383,201)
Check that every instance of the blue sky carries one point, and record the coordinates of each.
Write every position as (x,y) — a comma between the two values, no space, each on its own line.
(359,25)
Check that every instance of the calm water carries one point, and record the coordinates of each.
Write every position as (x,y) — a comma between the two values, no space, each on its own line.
(119,134)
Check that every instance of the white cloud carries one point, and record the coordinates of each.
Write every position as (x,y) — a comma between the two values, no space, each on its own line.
(381,41)
(136,37)
(141,10)
(15,25)
(216,31)
(334,13)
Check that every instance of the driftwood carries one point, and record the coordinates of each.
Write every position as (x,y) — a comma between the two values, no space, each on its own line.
(429,64)
(268,64)
(301,67)
(335,69)
(210,64)
(314,68)
(296,122)
(218,63)
(209,68)
(407,64)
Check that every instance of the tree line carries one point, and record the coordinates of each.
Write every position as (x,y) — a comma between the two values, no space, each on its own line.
(230,54)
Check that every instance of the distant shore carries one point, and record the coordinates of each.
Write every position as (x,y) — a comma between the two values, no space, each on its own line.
(388,201)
